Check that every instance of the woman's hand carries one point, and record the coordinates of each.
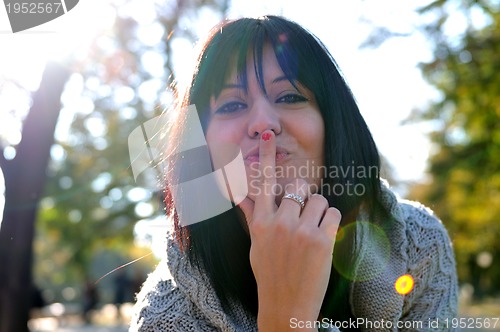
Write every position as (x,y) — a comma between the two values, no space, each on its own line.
(291,250)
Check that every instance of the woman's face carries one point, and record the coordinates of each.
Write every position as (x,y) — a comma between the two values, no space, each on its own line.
(239,116)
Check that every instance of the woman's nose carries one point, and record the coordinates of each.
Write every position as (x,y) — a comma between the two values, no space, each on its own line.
(263,117)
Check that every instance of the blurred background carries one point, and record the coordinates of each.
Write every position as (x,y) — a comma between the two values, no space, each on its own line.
(425,74)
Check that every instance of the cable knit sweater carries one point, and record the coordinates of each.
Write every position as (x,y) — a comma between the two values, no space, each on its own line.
(177,297)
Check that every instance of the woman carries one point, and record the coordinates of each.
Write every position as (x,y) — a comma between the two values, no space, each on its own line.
(270,89)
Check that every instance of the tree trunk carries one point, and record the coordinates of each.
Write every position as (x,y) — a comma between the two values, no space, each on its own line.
(24,181)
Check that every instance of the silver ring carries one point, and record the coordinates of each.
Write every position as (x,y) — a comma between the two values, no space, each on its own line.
(295,198)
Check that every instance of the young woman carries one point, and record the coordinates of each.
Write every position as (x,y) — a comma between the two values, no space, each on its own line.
(278,260)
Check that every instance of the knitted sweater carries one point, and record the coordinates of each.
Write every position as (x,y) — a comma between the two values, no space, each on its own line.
(178,297)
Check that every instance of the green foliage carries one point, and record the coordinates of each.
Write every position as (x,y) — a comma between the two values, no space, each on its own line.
(91,200)
(465,186)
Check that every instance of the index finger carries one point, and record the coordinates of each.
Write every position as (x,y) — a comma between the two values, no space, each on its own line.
(265,200)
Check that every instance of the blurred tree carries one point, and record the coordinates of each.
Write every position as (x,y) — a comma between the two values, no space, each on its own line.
(24,183)
(92,201)
(465,166)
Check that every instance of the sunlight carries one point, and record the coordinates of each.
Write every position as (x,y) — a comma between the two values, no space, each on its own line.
(2,196)
(67,37)
(80,27)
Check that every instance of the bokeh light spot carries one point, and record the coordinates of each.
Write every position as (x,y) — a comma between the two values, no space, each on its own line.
(404,284)
(283,38)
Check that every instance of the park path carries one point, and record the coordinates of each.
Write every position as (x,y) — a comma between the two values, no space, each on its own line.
(86,328)
(93,328)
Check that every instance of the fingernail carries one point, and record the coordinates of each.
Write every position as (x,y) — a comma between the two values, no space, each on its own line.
(266,136)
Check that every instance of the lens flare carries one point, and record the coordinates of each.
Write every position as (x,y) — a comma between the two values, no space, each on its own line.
(376,247)
(404,284)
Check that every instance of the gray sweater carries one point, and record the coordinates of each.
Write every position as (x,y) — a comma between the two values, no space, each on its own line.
(178,297)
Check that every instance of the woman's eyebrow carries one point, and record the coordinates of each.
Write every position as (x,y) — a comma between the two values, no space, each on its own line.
(280,79)
(294,83)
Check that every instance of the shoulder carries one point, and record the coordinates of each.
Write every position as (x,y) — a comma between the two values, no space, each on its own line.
(161,306)
(418,227)
(418,245)
(425,233)
(178,296)
(425,247)
(431,261)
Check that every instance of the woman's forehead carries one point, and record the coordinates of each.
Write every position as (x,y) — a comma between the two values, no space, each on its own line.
(264,67)
(235,62)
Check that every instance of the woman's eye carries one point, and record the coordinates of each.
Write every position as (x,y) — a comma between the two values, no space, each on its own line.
(292,98)
(230,107)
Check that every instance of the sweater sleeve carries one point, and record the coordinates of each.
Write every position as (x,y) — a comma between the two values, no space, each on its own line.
(161,306)
(432,303)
